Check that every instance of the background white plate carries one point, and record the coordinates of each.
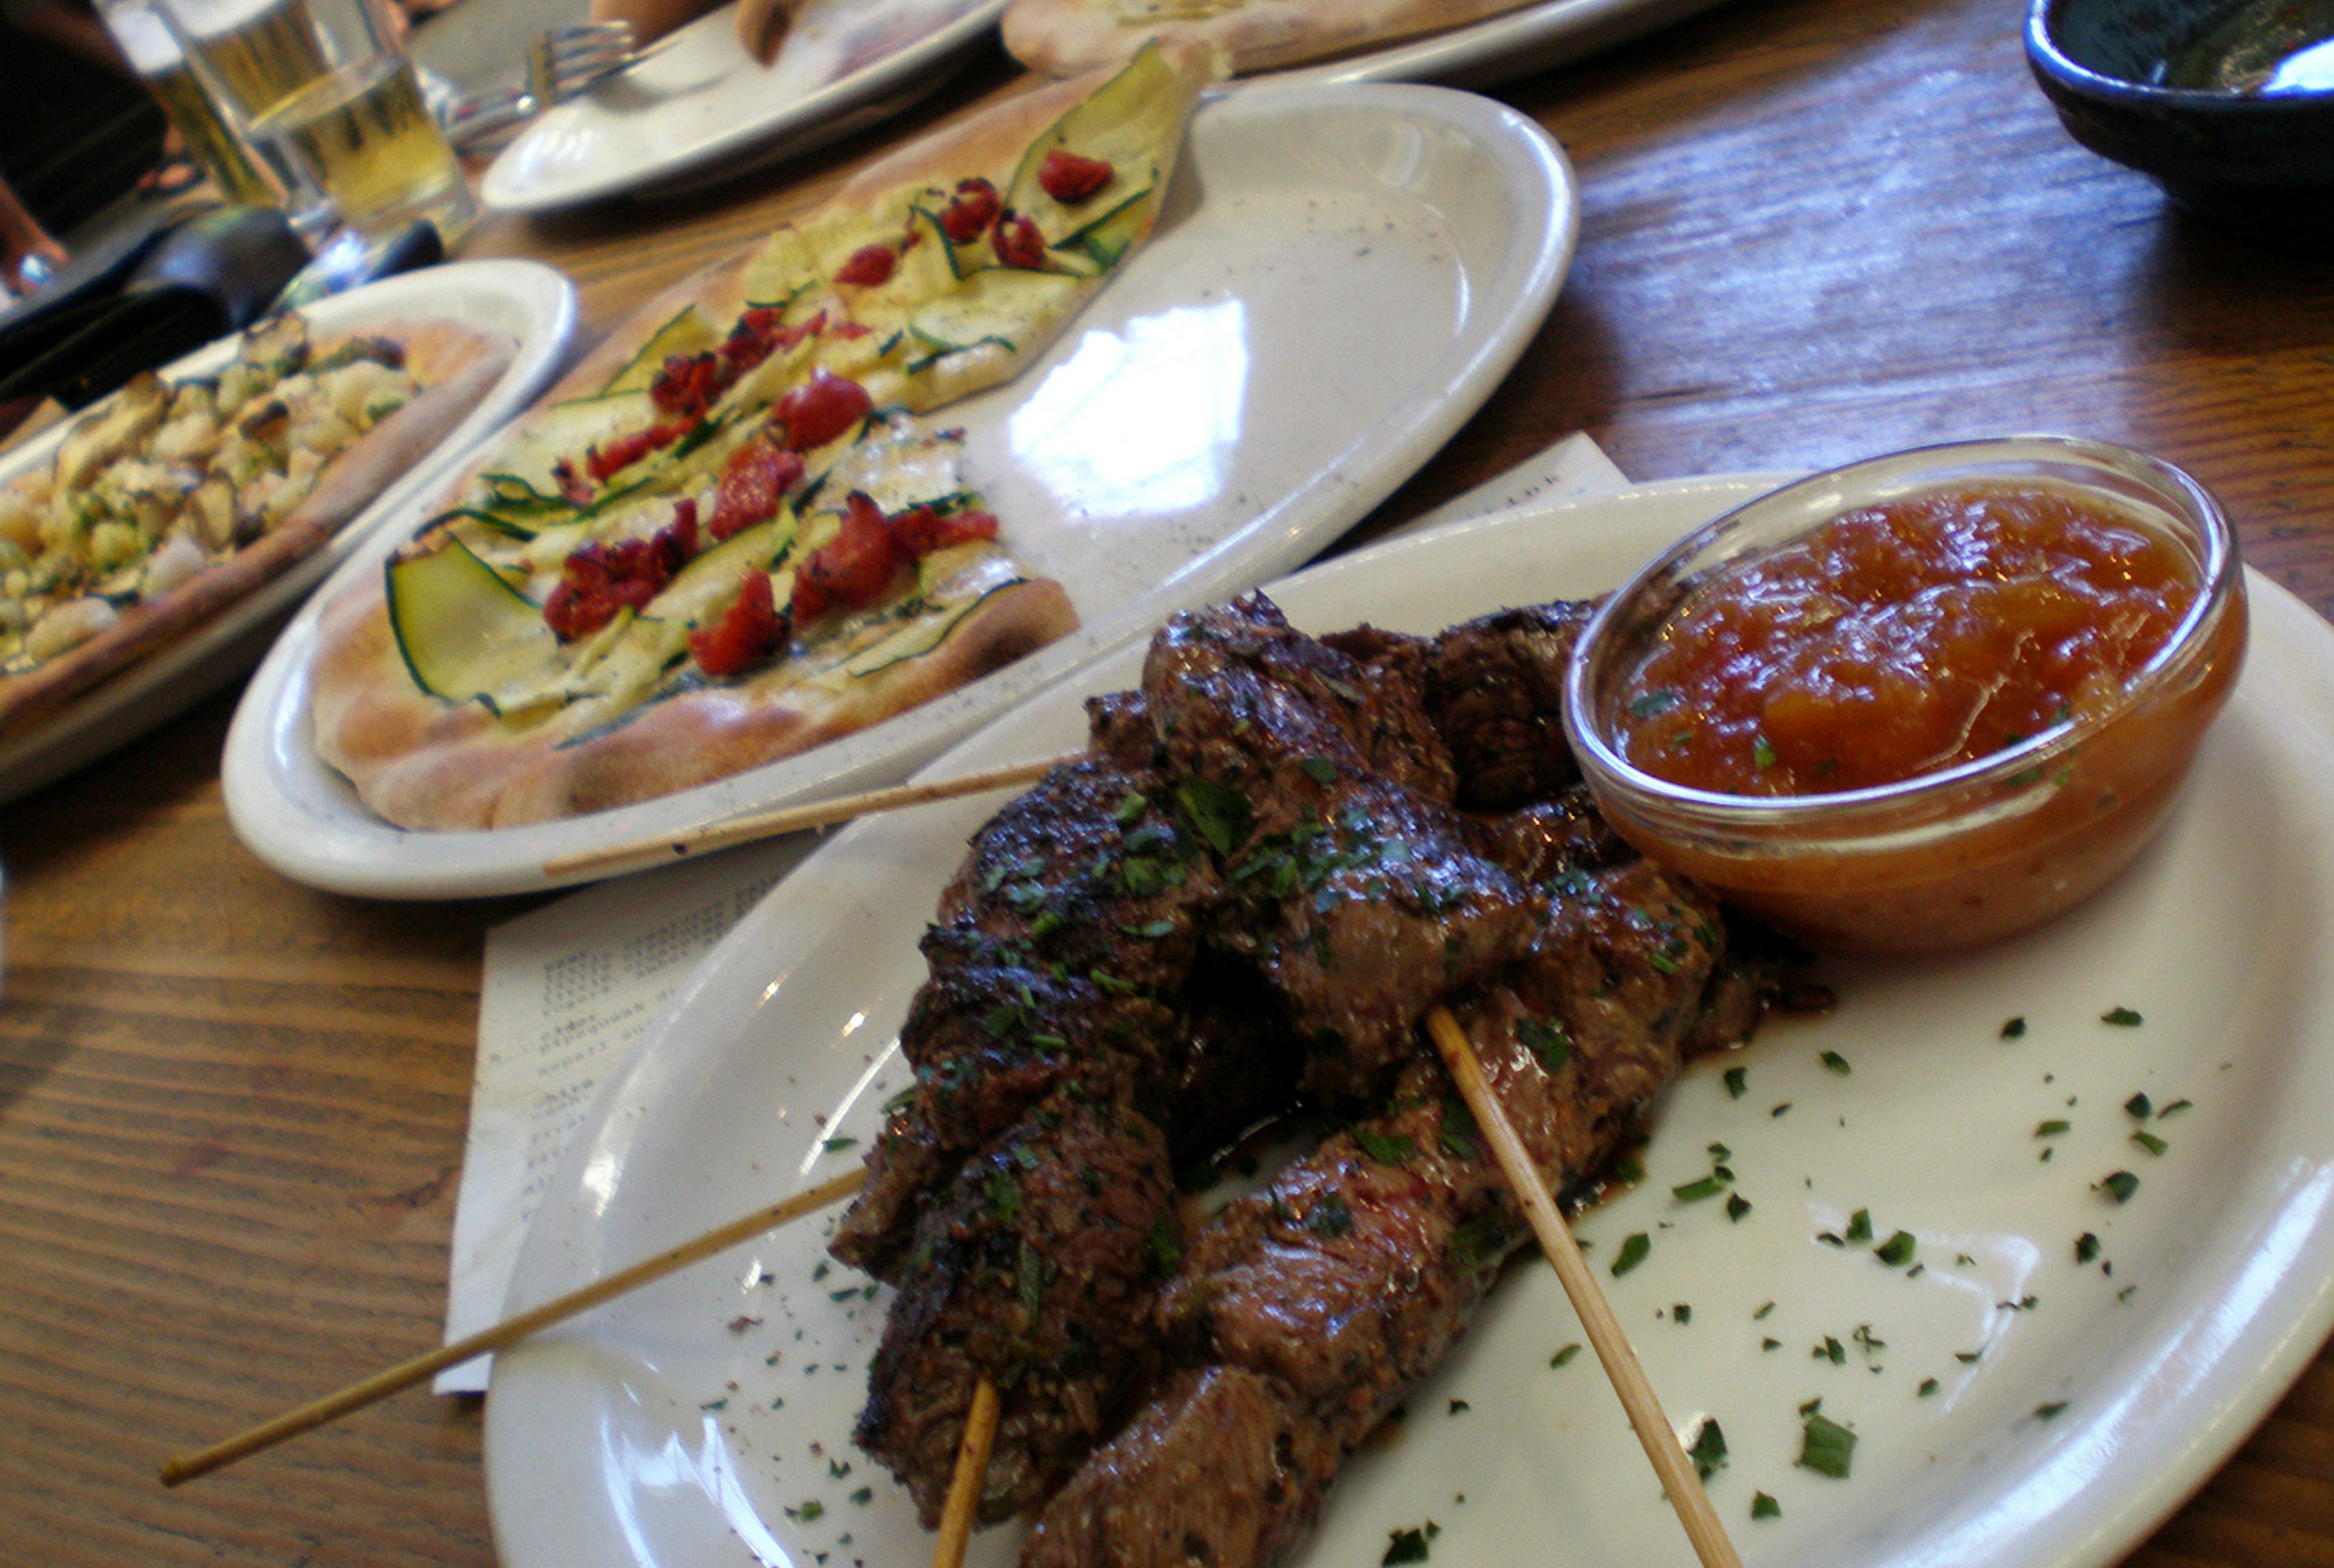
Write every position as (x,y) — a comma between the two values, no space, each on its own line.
(526,299)
(1505,47)
(693,1423)
(1340,278)
(698,107)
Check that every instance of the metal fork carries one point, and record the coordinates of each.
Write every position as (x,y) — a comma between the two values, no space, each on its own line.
(560,63)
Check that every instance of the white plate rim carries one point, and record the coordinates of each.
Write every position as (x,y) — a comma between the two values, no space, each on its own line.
(1511,44)
(781,129)
(531,301)
(2179,1446)
(352,851)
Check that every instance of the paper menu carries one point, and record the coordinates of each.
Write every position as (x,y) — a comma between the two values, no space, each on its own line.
(569,988)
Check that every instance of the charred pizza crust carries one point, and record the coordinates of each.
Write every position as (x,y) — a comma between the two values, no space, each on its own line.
(448,367)
(1062,37)
(479,751)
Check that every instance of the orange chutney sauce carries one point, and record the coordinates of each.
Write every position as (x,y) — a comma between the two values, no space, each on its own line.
(1902,637)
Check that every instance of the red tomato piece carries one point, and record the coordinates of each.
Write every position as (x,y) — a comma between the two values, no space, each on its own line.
(685,384)
(603,463)
(760,332)
(752,481)
(1018,241)
(973,208)
(676,542)
(751,630)
(853,568)
(920,530)
(820,410)
(1069,179)
(869,264)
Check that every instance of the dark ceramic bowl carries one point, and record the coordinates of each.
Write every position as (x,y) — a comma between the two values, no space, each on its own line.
(2264,158)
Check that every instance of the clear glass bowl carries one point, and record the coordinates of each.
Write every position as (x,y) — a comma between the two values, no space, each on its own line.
(1970,852)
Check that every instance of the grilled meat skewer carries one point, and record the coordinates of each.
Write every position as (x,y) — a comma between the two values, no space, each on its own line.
(1257,874)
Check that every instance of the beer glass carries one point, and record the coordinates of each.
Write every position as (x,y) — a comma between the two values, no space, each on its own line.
(327,81)
(216,145)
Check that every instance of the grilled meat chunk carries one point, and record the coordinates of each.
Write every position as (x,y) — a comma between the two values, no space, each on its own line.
(1037,1270)
(1363,919)
(1243,700)
(1076,904)
(990,1041)
(1322,786)
(1221,1467)
(1493,689)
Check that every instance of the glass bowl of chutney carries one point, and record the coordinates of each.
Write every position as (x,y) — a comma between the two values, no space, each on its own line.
(1922,701)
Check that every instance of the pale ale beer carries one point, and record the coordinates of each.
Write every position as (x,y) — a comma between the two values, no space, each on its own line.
(372,144)
(211,141)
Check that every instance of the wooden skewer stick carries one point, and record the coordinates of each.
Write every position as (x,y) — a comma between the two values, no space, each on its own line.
(818,814)
(962,1509)
(405,1374)
(1605,1336)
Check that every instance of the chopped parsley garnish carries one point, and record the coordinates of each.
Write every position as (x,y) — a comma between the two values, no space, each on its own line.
(2122,1018)
(1928,1385)
(1859,1226)
(1481,1240)
(2015,1029)
(1408,1546)
(2044,1412)
(2140,1107)
(1896,1251)
(834,1145)
(1737,1205)
(1831,1351)
(2087,1248)
(1564,1355)
(1330,1216)
(1632,1253)
(1460,1407)
(1763,1312)
(2149,1141)
(1738,1081)
(1763,754)
(1548,1042)
(1836,1062)
(862,1497)
(2052,1129)
(1680,1313)
(1217,814)
(2174,1108)
(1386,1150)
(1709,1450)
(1659,700)
(1762,1506)
(1826,1447)
(2120,1184)
(1694,1191)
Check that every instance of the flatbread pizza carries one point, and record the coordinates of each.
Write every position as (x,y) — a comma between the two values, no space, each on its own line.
(173,501)
(730,535)
(1065,37)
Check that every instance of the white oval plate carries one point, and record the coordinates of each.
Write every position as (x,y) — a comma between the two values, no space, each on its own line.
(526,299)
(1508,46)
(696,1422)
(1341,278)
(697,106)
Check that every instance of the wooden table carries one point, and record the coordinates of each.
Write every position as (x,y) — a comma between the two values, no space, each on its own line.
(232,1110)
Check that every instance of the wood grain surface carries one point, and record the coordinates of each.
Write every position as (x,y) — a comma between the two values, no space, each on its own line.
(232,1110)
